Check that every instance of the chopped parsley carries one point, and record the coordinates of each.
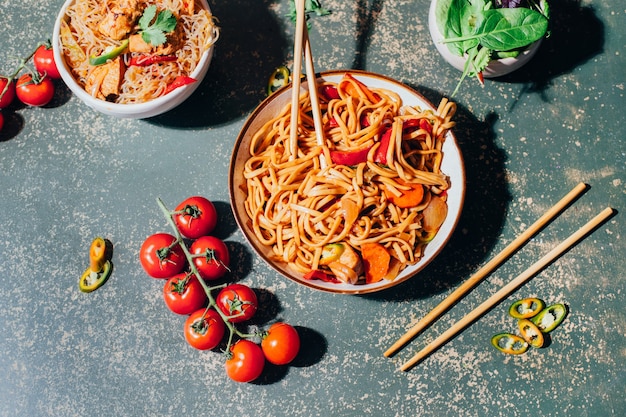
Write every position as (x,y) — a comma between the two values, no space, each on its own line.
(154,32)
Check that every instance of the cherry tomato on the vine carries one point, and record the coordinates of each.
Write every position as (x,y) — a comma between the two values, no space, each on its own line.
(195,217)
(238,301)
(44,62)
(184,294)
(161,256)
(281,344)
(246,362)
(204,329)
(33,91)
(210,256)
(7,98)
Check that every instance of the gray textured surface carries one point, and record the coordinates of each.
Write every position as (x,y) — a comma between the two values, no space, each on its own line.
(68,174)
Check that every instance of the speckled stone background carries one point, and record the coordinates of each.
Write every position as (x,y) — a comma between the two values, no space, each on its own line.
(68,174)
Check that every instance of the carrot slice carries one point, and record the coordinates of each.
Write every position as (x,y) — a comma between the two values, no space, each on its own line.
(376,261)
(408,198)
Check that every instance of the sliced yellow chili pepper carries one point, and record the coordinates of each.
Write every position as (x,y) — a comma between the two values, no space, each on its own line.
(531,333)
(99,267)
(278,79)
(509,343)
(550,317)
(526,308)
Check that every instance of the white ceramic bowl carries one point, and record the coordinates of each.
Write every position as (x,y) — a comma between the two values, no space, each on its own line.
(131,111)
(452,165)
(496,68)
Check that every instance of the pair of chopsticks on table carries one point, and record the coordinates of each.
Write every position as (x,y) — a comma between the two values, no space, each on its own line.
(301,44)
(517,282)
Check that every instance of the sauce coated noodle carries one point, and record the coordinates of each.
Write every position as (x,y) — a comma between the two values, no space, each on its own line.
(300,204)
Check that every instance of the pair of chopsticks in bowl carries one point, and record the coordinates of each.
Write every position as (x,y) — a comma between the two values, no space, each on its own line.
(506,290)
(303,46)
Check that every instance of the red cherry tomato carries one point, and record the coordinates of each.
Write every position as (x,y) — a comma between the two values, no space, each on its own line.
(281,344)
(246,362)
(184,294)
(1,121)
(195,217)
(44,62)
(204,329)
(211,257)
(34,92)
(161,256)
(7,98)
(237,300)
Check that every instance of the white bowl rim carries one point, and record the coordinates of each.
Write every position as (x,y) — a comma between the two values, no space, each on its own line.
(451,220)
(150,108)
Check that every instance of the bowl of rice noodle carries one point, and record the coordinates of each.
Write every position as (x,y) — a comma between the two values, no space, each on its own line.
(134,58)
(363,206)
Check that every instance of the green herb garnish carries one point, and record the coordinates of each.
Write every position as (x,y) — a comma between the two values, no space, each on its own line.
(154,32)
(481,32)
(310,6)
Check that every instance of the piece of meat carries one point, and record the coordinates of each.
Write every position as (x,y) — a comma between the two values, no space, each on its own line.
(174,41)
(121,18)
(104,81)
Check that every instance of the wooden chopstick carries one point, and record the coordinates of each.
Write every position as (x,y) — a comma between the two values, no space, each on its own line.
(295,82)
(547,259)
(489,267)
(315,104)
(312,83)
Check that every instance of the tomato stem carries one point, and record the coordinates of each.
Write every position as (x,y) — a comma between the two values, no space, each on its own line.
(232,330)
(20,67)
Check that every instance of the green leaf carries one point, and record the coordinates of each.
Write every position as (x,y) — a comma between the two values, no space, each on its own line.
(154,33)
(458,19)
(506,29)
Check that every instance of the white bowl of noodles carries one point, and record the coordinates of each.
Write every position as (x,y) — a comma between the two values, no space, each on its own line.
(135,99)
(251,202)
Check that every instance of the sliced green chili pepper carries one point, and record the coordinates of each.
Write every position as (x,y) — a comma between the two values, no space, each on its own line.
(278,79)
(509,343)
(550,317)
(108,54)
(531,333)
(99,267)
(526,308)
(331,253)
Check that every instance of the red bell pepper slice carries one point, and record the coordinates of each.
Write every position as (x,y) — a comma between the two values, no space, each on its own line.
(179,81)
(349,158)
(414,124)
(381,153)
(145,60)
(319,275)
(330,92)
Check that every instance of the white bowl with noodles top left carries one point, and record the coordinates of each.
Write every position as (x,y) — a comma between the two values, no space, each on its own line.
(452,166)
(150,108)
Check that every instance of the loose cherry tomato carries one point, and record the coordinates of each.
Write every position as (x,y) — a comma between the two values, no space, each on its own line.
(281,344)
(195,217)
(184,294)
(204,329)
(211,257)
(7,98)
(238,301)
(35,91)
(161,256)
(1,121)
(246,362)
(44,62)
